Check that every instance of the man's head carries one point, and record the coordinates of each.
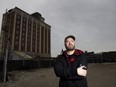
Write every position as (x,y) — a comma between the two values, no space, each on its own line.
(69,42)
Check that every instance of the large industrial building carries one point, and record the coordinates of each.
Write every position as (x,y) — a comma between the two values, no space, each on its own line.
(25,34)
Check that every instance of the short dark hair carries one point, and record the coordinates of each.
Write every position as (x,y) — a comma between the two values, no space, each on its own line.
(69,36)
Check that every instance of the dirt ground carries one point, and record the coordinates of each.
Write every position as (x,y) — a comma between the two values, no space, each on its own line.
(99,75)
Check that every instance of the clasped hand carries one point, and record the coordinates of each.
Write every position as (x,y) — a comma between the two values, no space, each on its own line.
(81,71)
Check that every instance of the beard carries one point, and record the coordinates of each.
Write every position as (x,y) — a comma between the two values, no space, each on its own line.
(70,48)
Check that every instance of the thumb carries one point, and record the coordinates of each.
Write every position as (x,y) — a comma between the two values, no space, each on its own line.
(83,66)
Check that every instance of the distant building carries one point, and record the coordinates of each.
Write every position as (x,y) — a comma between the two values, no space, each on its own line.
(25,33)
(101,57)
(109,56)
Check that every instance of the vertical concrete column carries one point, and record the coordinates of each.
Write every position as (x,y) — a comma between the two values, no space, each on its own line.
(36,38)
(13,36)
(49,48)
(44,40)
(20,32)
(40,40)
(31,35)
(26,33)
(47,40)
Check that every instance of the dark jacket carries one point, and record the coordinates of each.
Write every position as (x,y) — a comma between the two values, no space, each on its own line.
(66,66)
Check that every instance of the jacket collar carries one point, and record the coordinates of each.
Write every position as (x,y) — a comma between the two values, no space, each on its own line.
(77,52)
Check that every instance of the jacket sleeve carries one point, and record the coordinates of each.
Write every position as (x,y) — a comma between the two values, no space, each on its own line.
(83,62)
(60,68)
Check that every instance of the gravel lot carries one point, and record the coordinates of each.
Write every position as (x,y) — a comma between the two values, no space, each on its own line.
(99,75)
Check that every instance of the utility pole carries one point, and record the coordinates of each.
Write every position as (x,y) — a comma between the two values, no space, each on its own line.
(5,44)
(5,64)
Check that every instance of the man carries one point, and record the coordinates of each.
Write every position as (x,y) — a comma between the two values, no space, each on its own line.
(71,65)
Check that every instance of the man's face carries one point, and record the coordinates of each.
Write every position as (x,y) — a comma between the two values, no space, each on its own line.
(70,44)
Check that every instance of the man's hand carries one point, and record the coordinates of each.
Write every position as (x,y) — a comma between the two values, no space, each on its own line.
(81,71)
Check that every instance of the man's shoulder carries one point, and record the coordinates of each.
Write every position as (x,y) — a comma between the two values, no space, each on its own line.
(60,55)
(78,52)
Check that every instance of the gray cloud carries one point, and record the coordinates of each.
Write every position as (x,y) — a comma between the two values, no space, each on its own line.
(91,21)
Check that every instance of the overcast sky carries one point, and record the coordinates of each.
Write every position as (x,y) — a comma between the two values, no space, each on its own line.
(92,22)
